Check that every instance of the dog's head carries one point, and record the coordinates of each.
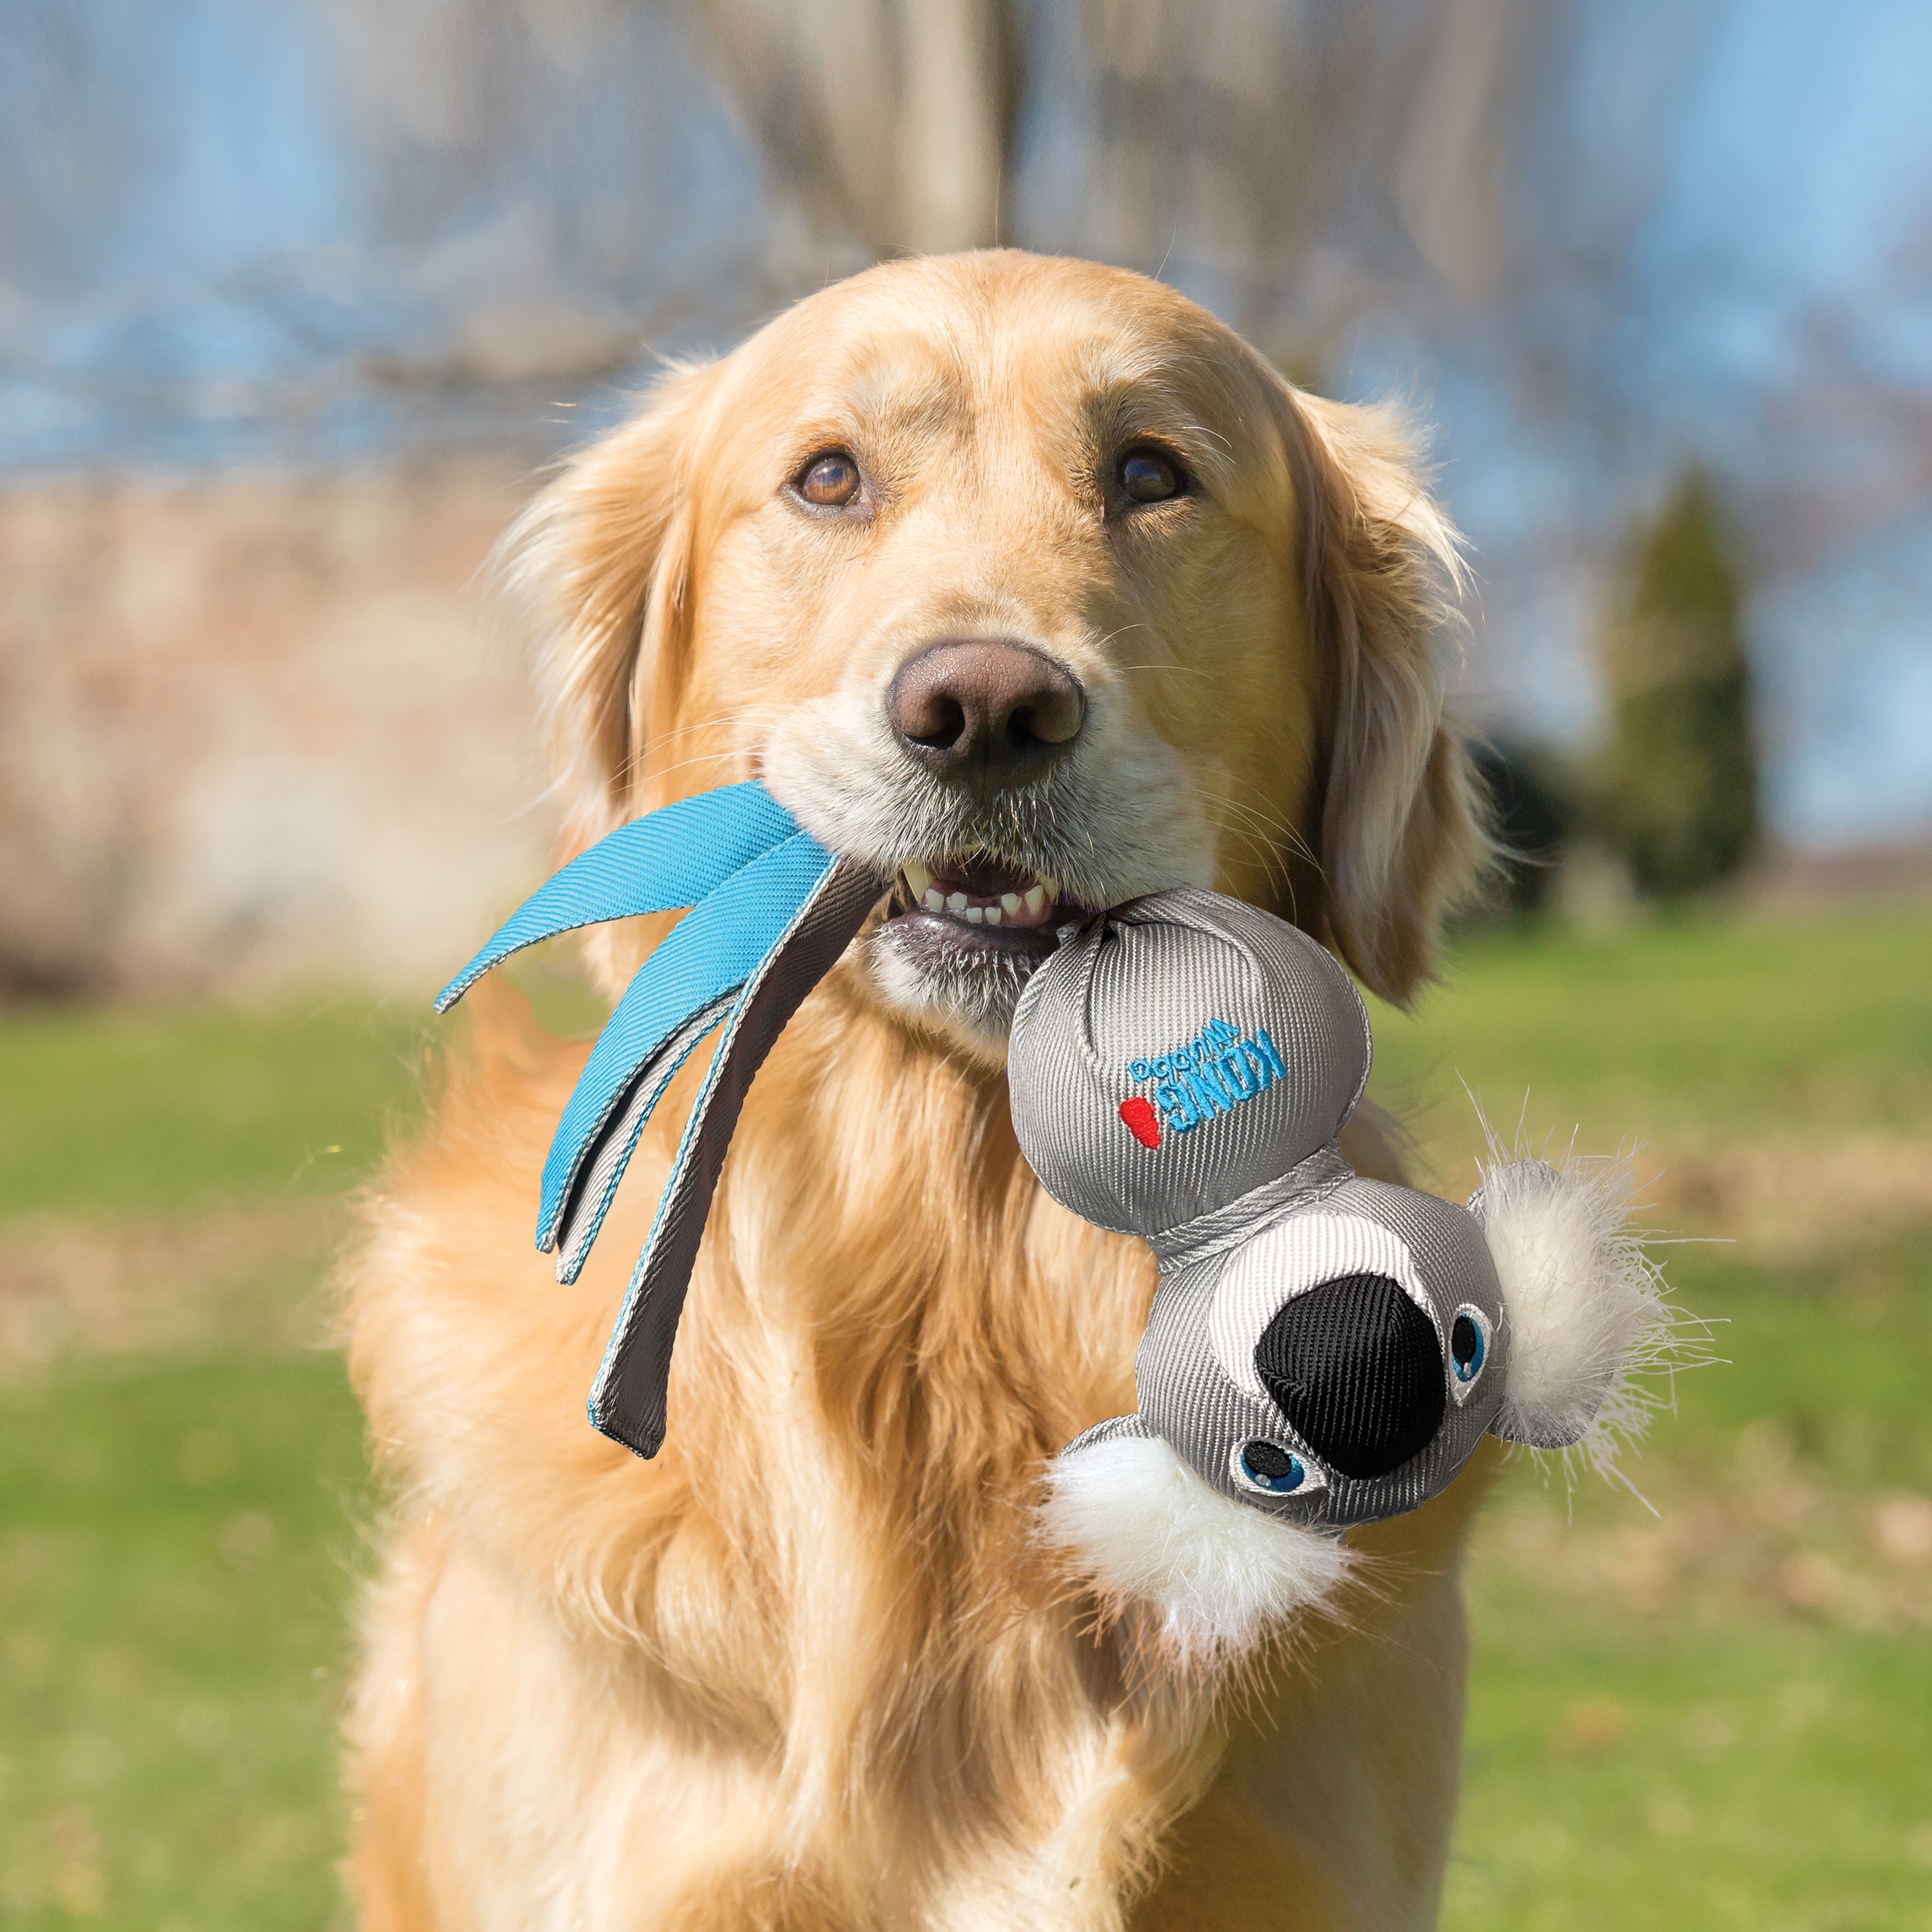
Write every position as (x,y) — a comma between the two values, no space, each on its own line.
(1027,583)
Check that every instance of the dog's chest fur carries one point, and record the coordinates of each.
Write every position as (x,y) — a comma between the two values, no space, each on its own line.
(811,1654)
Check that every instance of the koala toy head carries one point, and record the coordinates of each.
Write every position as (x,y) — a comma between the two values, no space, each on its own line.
(1323,1350)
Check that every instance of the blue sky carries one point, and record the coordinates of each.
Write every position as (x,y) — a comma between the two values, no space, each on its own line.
(1729,262)
(1722,212)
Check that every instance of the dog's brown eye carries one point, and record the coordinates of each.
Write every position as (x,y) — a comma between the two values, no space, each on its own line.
(830,481)
(1149,477)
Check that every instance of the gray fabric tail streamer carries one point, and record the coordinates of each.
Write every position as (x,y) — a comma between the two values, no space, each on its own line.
(1323,1350)
(627,1400)
(771,910)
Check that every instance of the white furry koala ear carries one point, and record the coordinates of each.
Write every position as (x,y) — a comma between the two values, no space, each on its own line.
(1145,1530)
(1580,1299)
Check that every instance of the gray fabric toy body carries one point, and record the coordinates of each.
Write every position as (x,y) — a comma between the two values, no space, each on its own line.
(1323,1350)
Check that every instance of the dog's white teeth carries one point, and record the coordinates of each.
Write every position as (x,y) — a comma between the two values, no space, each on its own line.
(1031,907)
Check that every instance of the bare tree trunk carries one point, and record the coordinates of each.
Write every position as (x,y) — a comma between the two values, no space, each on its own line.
(1448,177)
(889,117)
(950,123)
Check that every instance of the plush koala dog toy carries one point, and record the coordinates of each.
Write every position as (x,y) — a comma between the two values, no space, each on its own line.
(1323,1350)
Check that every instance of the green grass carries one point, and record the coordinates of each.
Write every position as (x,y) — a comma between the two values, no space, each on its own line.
(1670,1726)
(177,1550)
(1659,1735)
(177,1537)
(1695,1027)
(1839,1350)
(1762,1777)
(1679,1744)
(125,1113)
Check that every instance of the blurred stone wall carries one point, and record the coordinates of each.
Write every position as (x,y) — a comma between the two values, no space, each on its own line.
(258,731)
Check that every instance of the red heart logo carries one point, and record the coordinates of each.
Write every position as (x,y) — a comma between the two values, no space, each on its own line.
(1142,1122)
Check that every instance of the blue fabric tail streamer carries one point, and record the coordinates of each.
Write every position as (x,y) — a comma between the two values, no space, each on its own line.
(771,911)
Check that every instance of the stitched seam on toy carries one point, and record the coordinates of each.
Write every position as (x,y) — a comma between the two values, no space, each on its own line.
(1312,1179)
(1094,937)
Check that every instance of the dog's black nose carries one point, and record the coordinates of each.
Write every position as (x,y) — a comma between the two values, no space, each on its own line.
(1356,1367)
(989,713)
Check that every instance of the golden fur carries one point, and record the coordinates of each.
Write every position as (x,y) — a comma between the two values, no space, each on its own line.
(810,1668)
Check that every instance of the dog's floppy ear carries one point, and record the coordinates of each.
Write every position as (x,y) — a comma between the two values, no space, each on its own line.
(1402,835)
(599,565)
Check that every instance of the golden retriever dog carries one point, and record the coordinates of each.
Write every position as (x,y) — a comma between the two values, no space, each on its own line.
(1028,582)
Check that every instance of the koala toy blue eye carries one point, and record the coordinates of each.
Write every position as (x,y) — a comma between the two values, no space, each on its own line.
(1268,1467)
(1469,1348)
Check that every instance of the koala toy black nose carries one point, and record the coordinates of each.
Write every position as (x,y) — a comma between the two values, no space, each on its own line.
(1356,1367)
